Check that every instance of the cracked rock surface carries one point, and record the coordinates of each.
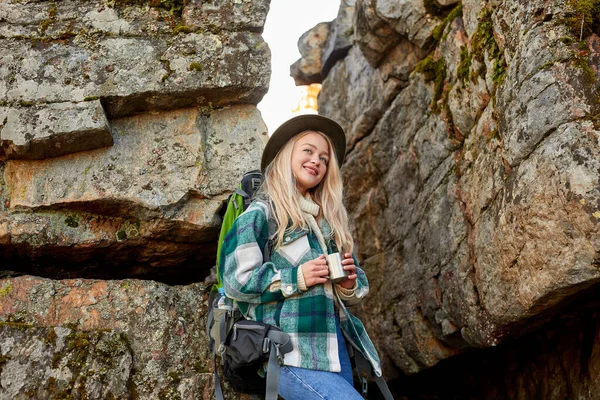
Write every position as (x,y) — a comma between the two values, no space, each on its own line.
(471,178)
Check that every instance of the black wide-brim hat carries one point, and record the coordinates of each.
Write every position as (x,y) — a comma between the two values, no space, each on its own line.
(301,123)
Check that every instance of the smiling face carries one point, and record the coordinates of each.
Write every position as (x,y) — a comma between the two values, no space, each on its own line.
(310,156)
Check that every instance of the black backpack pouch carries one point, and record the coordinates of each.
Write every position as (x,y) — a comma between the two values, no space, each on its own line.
(247,348)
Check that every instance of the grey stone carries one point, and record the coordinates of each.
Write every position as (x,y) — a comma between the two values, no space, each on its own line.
(161,198)
(43,362)
(125,338)
(55,129)
(409,18)
(373,34)
(226,14)
(308,68)
(476,216)
(357,111)
(340,38)
(139,74)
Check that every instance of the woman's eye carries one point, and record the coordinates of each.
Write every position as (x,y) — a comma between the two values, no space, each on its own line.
(323,160)
(309,151)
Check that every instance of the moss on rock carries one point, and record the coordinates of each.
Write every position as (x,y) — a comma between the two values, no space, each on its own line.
(433,71)
(483,40)
(439,30)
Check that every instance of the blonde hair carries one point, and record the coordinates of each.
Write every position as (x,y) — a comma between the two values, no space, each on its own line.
(280,186)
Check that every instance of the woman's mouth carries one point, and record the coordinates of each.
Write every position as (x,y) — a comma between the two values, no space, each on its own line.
(312,170)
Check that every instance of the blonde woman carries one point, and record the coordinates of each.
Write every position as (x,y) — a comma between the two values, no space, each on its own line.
(275,266)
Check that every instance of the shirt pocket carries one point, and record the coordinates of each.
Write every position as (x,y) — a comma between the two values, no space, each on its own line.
(294,248)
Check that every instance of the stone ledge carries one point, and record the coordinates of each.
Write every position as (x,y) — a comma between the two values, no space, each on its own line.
(133,75)
(50,130)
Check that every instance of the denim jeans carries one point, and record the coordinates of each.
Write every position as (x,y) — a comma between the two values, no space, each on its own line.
(309,384)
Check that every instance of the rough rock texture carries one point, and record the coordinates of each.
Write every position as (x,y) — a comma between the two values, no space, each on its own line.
(93,339)
(340,38)
(52,130)
(472,183)
(307,69)
(110,192)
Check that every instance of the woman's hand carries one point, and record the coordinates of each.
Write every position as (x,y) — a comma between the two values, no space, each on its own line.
(348,263)
(315,271)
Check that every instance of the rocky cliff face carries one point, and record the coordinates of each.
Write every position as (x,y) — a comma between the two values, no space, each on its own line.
(124,125)
(472,182)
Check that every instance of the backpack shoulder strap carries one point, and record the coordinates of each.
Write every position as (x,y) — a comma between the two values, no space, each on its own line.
(272,226)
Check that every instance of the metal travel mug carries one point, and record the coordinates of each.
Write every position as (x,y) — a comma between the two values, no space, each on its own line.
(336,269)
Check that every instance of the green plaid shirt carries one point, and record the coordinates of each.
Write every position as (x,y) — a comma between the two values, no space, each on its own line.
(268,291)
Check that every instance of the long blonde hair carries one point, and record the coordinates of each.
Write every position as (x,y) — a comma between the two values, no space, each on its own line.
(280,186)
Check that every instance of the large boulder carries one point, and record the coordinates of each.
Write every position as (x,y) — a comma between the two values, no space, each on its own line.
(472,189)
(124,126)
(103,339)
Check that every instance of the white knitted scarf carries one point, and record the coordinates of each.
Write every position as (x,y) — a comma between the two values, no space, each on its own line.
(310,210)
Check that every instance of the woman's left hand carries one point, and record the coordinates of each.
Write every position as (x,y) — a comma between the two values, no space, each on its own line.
(348,263)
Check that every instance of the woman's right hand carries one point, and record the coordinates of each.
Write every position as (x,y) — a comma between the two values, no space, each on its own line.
(315,271)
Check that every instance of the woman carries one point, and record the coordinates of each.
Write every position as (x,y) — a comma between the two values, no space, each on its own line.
(275,266)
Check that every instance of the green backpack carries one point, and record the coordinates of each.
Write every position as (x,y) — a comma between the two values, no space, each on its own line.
(237,203)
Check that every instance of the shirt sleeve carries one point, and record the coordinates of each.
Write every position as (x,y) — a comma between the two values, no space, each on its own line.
(246,276)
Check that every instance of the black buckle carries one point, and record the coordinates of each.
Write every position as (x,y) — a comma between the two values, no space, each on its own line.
(364,386)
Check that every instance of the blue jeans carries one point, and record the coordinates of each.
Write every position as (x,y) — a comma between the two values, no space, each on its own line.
(309,384)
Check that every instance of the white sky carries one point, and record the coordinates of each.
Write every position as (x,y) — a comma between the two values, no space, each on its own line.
(286,21)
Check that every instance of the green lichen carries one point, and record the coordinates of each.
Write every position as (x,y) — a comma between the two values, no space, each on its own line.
(3,360)
(582,64)
(200,368)
(121,235)
(464,67)
(585,18)
(6,290)
(195,66)
(483,40)
(181,29)
(169,393)
(167,66)
(72,221)
(174,377)
(25,103)
(128,229)
(433,71)
(439,30)
(175,7)
(51,337)
(45,24)
(90,98)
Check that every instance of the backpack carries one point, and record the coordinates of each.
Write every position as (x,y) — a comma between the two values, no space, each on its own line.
(237,203)
(244,346)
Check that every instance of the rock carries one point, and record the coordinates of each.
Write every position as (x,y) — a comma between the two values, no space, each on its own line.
(340,38)
(408,18)
(55,129)
(308,68)
(227,15)
(129,58)
(60,361)
(356,111)
(373,35)
(471,190)
(159,202)
(123,338)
